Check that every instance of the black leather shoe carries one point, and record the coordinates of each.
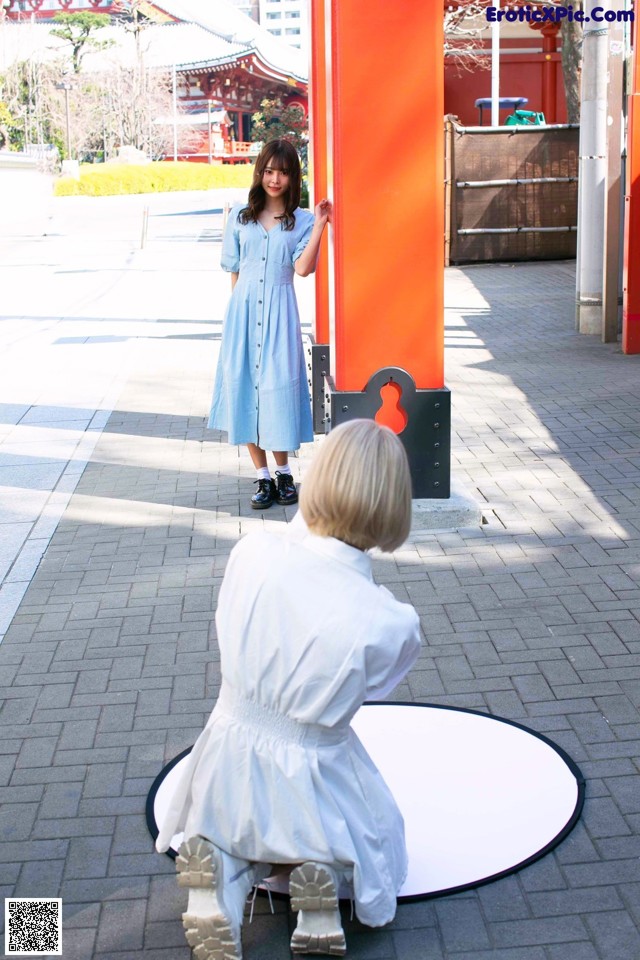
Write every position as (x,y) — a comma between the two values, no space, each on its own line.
(286,492)
(264,495)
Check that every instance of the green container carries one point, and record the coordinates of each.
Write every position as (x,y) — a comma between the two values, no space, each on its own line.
(525,118)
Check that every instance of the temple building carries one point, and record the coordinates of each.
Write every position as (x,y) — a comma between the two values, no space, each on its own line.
(225,63)
(228,62)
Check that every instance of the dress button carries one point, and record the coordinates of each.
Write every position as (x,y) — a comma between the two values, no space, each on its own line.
(257,366)
(259,323)
(264,258)
(258,344)
(259,301)
(262,281)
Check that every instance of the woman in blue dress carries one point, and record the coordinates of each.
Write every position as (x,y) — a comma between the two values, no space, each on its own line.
(261,396)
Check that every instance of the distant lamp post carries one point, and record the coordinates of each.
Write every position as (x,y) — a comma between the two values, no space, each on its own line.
(66,85)
(209,131)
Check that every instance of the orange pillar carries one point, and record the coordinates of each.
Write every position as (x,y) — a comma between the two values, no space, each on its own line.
(630,277)
(386,178)
(318,158)
(387,185)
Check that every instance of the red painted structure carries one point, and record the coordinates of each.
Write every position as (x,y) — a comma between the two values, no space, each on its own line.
(530,66)
(319,158)
(388,272)
(47,9)
(386,263)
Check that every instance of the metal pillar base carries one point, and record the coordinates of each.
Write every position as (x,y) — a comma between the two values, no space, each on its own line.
(320,366)
(426,437)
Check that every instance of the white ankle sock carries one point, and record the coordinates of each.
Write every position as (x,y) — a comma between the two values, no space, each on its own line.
(285,469)
(262,473)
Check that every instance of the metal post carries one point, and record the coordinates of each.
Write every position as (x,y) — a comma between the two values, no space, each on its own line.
(66,86)
(145,227)
(175,113)
(210,145)
(592,173)
(66,105)
(611,265)
(495,70)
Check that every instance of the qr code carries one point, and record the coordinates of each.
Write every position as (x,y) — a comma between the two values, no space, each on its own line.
(33,927)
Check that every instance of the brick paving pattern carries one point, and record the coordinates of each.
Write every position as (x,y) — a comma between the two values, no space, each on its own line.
(110,666)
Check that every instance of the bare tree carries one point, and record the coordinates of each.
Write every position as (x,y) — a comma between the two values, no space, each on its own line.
(464,23)
(135,105)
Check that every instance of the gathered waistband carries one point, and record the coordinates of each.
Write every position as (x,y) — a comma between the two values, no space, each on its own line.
(275,724)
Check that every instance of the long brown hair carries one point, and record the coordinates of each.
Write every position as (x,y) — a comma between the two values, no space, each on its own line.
(282,155)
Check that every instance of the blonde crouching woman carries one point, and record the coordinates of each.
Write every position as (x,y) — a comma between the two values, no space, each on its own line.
(278,776)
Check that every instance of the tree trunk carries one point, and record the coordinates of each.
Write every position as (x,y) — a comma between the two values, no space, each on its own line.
(572,67)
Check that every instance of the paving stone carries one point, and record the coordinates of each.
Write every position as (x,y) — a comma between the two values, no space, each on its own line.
(103,890)
(615,934)
(65,827)
(517,953)
(164,934)
(17,820)
(105,780)
(421,942)
(112,656)
(579,951)
(566,902)
(461,924)
(121,926)
(131,836)
(88,857)
(40,878)
(78,943)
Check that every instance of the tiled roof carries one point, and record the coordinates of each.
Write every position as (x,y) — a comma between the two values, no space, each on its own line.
(221,18)
(162,45)
(180,43)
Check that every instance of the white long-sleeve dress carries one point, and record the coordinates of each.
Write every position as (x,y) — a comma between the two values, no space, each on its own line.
(278,775)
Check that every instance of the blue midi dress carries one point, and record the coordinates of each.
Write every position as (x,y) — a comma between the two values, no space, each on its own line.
(261,393)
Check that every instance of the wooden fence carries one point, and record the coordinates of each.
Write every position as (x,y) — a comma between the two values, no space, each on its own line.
(511,193)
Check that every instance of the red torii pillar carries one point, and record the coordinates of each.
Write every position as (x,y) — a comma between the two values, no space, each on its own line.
(320,349)
(384,164)
(630,277)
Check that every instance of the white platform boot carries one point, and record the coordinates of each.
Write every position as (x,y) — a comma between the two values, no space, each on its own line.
(218,888)
(313,888)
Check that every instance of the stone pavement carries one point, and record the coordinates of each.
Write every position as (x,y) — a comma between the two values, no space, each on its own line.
(109,666)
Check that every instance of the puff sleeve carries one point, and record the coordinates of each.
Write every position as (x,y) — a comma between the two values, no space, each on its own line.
(306,228)
(393,648)
(230,258)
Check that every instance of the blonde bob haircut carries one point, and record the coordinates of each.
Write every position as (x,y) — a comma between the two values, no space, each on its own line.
(358,487)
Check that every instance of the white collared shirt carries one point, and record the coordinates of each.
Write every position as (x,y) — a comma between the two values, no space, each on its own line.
(304,629)
(278,775)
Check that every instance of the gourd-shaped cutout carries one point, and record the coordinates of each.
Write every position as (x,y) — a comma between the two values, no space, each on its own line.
(392,414)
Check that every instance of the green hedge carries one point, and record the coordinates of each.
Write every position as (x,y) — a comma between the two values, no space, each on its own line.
(109,179)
